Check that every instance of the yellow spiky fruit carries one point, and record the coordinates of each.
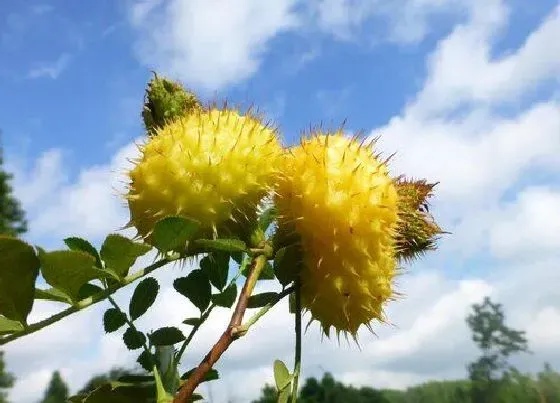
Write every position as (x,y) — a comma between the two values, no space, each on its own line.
(337,196)
(211,166)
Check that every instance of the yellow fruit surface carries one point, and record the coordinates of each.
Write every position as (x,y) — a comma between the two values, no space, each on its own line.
(210,166)
(339,199)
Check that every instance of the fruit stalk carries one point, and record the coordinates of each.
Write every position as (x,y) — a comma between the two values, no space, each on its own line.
(229,335)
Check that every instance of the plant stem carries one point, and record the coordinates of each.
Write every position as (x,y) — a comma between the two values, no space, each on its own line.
(186,391)
(87,302)
(297,360)
(195,328)
(243,329)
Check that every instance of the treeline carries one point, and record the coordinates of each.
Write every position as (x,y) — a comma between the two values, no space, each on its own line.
(516,388)
(492,379)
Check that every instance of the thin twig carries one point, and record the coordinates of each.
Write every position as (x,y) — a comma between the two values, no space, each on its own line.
(85,303)
(186,391)
(202,319)
(297,360)
(242,330)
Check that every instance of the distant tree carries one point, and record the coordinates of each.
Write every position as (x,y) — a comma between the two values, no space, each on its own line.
(6,380)
(57,391)
(548,384)
(498,343)
(268,395)
(12,222)
(12,217)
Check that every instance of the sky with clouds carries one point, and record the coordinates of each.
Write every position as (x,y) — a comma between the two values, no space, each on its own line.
(467,92)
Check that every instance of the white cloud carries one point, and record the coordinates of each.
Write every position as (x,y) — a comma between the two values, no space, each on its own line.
(209,44)
(89,207)
(463,68)
(50,70)
(528,227)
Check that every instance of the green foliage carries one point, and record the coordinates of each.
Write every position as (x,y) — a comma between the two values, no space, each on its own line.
(497,343)
(225,245)
(133,339)
(12,216)
(6,379)
(226,298)
(113,319)
(260,300)
(120,253)
(52,294)
(282,376)
(166,100)
(19,268)
(267,272)
(83,245)
(68,270)
(146,360)
(9,326)
(192,321)
(211,375)
(287,263)
(172,233)
(166,336)
(100,379)
(143,298)
(196,287)
(216,267)
(57,390)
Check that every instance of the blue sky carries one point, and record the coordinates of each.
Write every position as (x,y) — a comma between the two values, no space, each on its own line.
(466,92)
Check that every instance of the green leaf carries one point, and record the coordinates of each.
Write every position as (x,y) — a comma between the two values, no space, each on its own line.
(282,376)
(117,393)
(196,287)
(216,266)
(52,294)
(75,243)
(211,375)
(287,264)
(226,245)
(19,268)
(88,289)
(68,270)
(166,336)
(267,272)
(9,326)
(133,339)
(192,321)
(267,217)
(237,257)
(284,395)
(227,297)
(172,233)
(113,319)
(259,300)
(146,361)
(196,397)
(144,296)
(120,253)
(132,378)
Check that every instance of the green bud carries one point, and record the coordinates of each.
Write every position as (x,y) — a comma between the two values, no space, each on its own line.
(165,100)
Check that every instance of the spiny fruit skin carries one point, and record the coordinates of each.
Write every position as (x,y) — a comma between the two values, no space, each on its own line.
(211,166)
(417,231)
(164,101)
(337,196)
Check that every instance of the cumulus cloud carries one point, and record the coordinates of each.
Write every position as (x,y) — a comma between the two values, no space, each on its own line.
(89,207)
(529,226)
(209,44)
